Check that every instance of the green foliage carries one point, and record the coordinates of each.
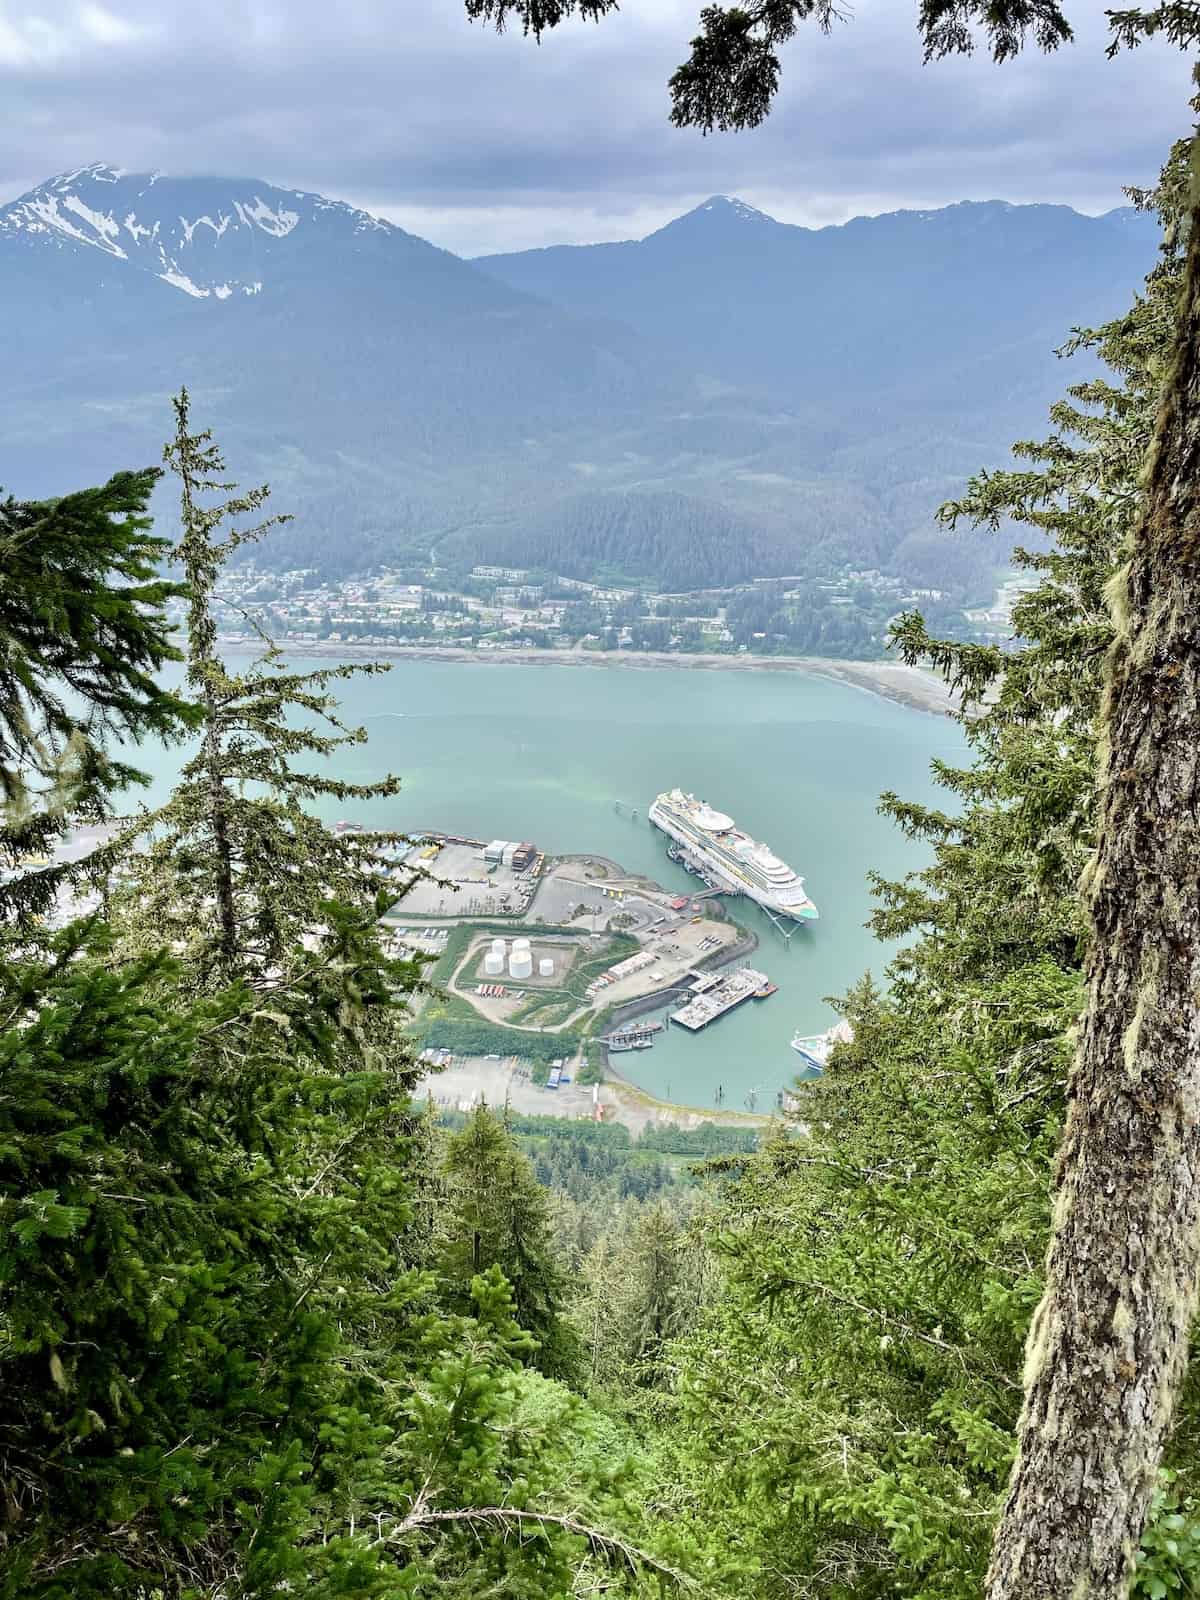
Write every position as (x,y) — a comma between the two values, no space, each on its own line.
(704,1142)
(599,1176)
(880,1274)
(236,871)
(464,1037)
(708,1140)
(732,74)
(847,1406)
(1169,1559)
(227,1349)
(592,1070)
(644,1278)
(496,1218)
(674,540)
(167,1286)
(83,632)
(216,1366)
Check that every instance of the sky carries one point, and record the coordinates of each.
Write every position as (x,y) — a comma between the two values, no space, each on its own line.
(483,142)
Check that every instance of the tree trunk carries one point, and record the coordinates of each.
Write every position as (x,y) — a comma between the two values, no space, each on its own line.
(227,940)
(1108,1344)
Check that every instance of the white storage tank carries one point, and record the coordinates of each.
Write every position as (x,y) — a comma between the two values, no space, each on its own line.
(520,964)
(499,947)
(493,963)
(545,967)
(521,944)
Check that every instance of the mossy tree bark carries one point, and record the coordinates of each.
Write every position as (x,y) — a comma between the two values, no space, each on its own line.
(1108,1344)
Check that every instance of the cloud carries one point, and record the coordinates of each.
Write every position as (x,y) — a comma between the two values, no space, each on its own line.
(484,142)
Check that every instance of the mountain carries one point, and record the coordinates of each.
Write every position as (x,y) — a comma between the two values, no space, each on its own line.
(963,305)
(792,397)
(223,248)
(386,387)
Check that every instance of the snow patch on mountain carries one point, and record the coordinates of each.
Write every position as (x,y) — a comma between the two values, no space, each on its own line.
(43,215)
(189,228)
(180,280)
(280,223)
(136,231)
(730,206)
(208,238)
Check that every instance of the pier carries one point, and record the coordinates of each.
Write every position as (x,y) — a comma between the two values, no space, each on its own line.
(713,995)
(634,1036)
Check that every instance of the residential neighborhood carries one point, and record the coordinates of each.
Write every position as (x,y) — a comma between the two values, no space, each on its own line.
(508,608)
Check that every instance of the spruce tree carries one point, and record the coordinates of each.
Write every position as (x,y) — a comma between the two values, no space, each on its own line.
(238,874)
(858,1382)
(1108,1344)
(83,636)
(497,1216)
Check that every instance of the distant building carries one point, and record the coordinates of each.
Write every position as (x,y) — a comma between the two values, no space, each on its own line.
(508,574)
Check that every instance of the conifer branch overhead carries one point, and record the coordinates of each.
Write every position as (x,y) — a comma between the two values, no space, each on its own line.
(537,16)
(732,75)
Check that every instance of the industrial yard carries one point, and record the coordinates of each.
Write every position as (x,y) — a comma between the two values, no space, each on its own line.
(547,982)
(544,965)
(469,878)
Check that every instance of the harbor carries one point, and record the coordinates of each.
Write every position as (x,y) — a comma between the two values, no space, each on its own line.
(527,754)
(573,946)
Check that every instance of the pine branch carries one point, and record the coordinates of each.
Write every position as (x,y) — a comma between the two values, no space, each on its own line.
(609,1547)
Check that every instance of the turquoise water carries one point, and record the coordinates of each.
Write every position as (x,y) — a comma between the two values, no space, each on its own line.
(542,753)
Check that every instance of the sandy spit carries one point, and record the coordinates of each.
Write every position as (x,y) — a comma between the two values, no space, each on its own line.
(908,686)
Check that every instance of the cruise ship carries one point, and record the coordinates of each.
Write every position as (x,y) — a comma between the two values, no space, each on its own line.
(711,845)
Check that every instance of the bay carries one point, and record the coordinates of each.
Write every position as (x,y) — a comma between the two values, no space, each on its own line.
(546,752)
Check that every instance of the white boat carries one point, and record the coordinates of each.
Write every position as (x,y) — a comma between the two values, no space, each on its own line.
(717,850)
(814,1048)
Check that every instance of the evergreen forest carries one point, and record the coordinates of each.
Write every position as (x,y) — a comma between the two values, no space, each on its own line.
(269,1326)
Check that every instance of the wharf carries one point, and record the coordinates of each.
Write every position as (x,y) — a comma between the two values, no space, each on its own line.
(714,994)
(634,1030)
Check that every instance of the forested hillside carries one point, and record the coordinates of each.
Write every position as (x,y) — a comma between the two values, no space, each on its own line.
(268,1328)
(671,540)
(761,390)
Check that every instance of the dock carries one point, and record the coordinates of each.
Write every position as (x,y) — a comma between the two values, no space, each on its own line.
(715,994)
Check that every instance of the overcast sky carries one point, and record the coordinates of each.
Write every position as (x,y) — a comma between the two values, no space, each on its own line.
(484,143)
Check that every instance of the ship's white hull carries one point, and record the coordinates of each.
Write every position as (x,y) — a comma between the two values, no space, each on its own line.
(719,876)
(815,1048)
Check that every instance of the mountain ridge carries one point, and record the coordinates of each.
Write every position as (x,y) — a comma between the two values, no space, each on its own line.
(810,394)
(731,207)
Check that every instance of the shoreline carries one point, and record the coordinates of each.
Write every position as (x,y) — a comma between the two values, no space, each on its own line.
(912,687)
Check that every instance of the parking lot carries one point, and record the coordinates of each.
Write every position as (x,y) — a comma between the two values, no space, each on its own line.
(473,888)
